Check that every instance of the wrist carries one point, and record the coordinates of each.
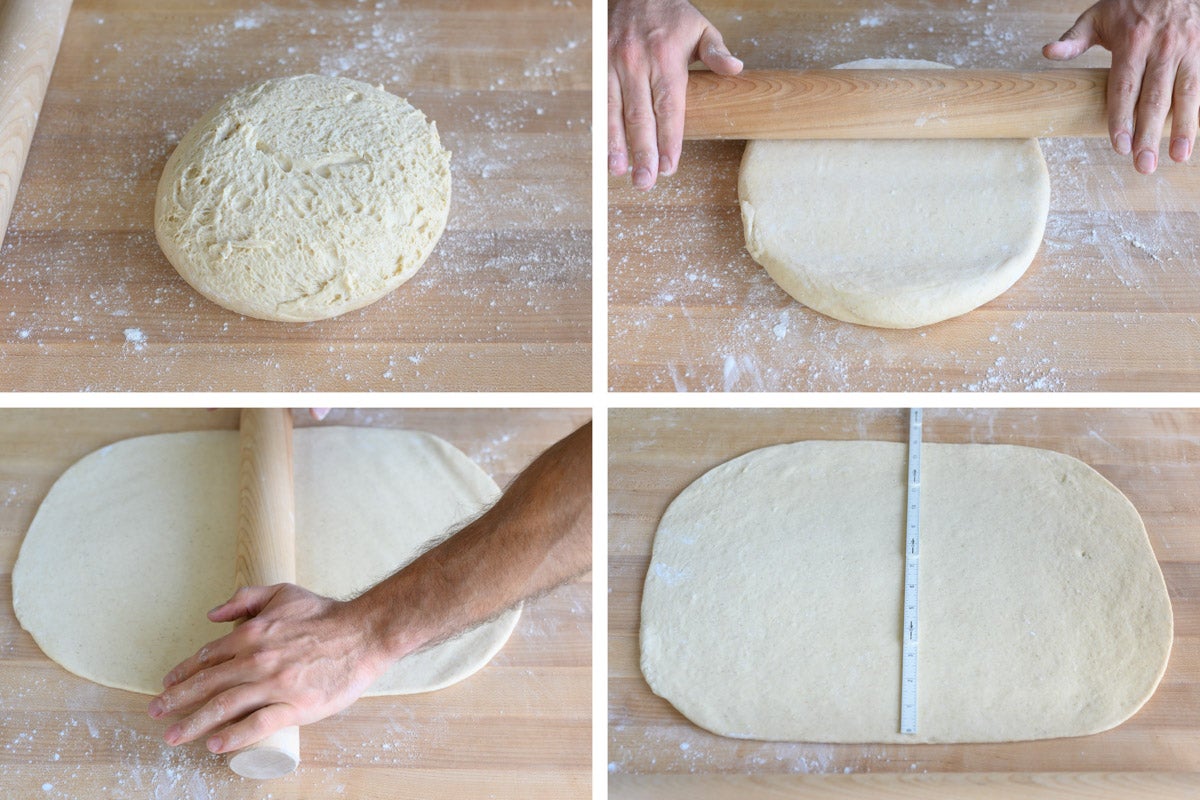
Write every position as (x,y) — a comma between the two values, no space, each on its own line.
(389,625)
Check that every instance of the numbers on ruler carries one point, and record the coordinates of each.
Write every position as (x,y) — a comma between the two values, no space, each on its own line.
(908,670)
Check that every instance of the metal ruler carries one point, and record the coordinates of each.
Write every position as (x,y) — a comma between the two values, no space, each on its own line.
(912,562)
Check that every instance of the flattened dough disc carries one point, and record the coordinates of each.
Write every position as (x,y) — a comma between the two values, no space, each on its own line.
(772,607)
(894,234)
(136,541)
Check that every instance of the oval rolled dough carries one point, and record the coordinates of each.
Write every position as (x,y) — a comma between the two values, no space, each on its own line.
(136,542)
(302,198)
(894,234)
(772,606)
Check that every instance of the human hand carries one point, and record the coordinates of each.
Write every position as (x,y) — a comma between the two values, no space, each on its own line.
(298,657)
(1155,48)
(650,44)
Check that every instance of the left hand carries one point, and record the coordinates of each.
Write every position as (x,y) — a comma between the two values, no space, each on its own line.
(1155,48)
(298,657)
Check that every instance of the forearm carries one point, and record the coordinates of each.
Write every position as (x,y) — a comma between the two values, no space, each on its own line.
(537,536)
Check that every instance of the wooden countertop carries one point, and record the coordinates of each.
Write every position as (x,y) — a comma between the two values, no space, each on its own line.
(504,302)
(1152,456)
(1110,303)
(520,728)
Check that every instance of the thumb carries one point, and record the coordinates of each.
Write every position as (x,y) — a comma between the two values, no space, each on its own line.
(247,601)
(712,52)
(1081,36)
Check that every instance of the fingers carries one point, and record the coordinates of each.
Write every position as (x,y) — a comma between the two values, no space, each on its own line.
(712,52)
(230,705)
(212,654)
(1076,41)
(618,159)
(254,728)
(669,91)
(247,601)
(1185,110)
(641,132)
(1124,84)
(192,693)
(1153,104)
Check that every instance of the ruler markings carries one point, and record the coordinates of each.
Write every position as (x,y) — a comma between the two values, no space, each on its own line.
(912,550)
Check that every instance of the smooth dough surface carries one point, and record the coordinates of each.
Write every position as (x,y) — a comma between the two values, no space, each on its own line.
(894,234)
(136,542)
(302,198)
(773,603)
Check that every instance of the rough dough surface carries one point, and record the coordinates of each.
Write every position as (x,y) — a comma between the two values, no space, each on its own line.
(772,607)
(303,198)
(894,234)
(136,541)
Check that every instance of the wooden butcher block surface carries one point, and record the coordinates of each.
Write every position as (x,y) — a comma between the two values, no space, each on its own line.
(1111,302)
(504,301)
(1152,456)
(519,728)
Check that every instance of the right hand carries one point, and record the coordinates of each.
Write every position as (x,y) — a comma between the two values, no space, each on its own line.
(650,44)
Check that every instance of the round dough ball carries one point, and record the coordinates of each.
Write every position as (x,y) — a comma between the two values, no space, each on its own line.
(302,198)
(894,234)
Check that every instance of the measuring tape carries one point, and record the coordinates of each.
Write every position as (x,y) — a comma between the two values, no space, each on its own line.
(912,561)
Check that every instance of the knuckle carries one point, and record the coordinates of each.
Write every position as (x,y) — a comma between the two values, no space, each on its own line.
(1125,87)
(666,103)
(1140,33)
(292,677)
(660,48)
(1189,86)
(626,49)
(260,659)
(1155,100)
(219,707)
(638,115)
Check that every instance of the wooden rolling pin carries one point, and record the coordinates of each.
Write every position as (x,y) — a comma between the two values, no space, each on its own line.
(896,104)
(266,552)
(30,33)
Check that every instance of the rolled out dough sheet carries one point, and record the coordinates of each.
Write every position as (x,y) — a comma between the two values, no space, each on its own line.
(894,234)
(773,603)
(136,542)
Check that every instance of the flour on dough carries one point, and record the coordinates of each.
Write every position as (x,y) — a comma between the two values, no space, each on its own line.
(136,541)
(894,234)
(302,198)
(772,606)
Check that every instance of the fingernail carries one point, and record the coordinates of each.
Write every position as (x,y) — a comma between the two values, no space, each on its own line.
(214,745)
(614,166)
(642,178)
(172,735)
(664,165)
(1180,149)
(1122,143)
(1146,162)
(156,708)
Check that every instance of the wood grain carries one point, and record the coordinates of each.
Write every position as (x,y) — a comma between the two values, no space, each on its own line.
(1152,456)
(974,786)
(504,301)
(30,32)
(266,551)
(896,104)
(519,728)
(1109,303)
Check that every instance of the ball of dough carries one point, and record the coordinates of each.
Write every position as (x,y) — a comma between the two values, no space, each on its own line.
(894,234)
(302,198)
